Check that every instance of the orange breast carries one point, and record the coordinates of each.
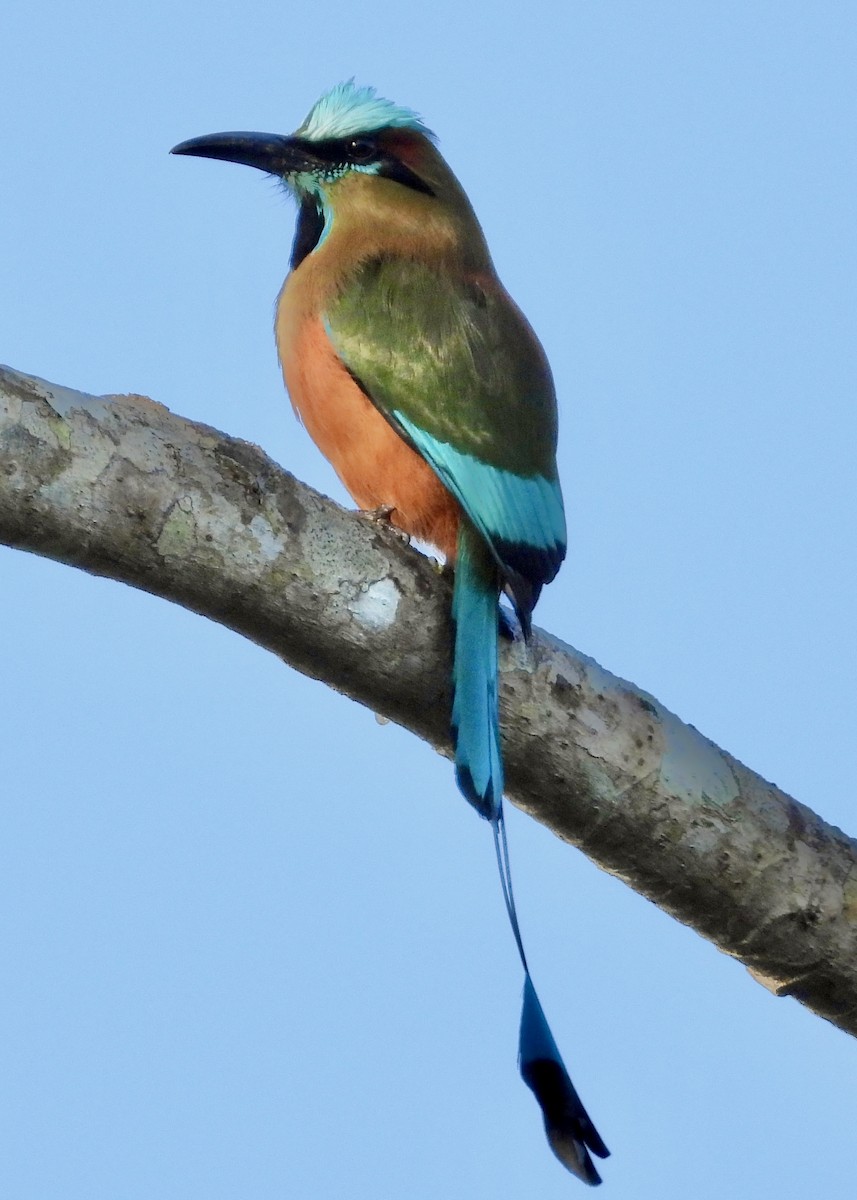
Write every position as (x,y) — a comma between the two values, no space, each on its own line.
(375,464)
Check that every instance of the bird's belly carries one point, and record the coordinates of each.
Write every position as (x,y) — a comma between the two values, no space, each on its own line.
(375,464)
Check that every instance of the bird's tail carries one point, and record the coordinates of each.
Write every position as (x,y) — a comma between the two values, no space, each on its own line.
(475,707)
(479,773)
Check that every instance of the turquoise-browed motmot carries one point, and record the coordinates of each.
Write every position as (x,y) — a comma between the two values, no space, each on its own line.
(421,381)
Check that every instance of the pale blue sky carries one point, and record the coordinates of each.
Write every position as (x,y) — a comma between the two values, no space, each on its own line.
(253,943)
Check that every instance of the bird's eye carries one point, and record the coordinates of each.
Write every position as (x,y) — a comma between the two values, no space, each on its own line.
(361,150)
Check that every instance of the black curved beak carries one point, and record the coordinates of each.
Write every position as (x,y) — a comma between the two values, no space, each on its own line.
(269,152)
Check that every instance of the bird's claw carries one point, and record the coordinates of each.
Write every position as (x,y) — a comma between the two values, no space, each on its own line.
(383,516)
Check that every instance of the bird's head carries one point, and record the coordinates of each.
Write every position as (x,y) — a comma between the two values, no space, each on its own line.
(354,151)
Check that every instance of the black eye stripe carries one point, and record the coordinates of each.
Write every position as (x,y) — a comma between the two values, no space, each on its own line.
(341,153)
(391,168)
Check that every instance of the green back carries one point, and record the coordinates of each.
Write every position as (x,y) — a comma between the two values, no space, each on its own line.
(452,355)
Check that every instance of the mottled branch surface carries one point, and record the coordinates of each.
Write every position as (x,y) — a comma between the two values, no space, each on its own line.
(121,487)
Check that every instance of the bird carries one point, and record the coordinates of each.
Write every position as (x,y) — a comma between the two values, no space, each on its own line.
(420,380)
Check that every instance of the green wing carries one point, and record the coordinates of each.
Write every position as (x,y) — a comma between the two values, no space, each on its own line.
(454,366)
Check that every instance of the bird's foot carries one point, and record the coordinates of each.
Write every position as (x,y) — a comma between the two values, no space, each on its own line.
(383,516)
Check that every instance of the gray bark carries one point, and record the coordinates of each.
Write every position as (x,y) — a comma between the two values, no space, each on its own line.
(121,487)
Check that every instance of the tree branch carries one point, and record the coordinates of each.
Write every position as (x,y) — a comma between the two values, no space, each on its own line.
(121,487)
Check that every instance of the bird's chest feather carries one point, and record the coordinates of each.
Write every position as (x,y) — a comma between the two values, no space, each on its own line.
(376,465)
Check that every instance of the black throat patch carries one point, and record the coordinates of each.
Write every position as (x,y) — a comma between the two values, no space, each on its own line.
(308,231)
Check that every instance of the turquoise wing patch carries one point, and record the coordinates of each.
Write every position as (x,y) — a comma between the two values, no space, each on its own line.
(522,518)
